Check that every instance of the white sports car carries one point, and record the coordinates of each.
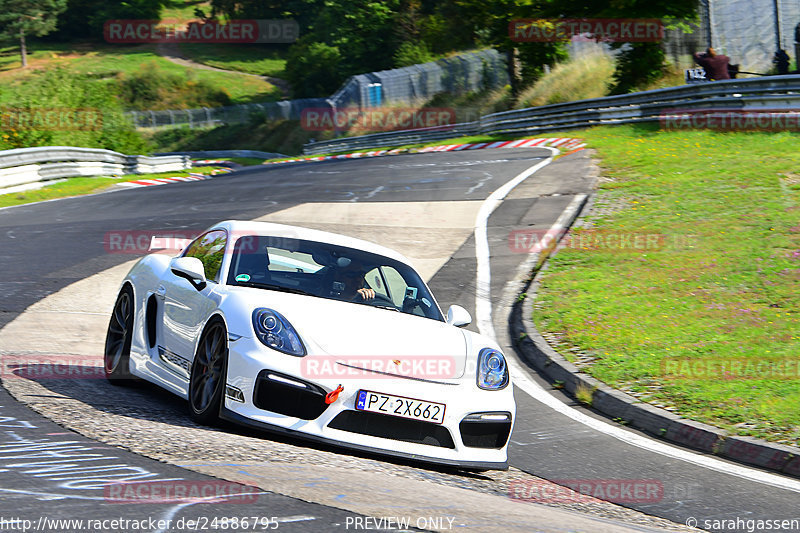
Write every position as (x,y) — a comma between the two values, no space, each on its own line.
(317,335)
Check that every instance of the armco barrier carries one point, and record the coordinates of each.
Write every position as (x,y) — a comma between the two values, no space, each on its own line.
(776,93)
(26,166)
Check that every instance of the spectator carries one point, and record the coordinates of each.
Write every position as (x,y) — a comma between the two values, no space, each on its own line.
(781,61)
(715,65)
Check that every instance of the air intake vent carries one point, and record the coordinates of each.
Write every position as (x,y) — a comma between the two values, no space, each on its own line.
(392,427)
(288,396)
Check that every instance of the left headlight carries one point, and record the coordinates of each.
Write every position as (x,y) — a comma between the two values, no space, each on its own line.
(492,370)
(276,332)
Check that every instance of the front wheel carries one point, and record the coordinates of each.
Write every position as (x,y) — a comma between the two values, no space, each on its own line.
(116,359)
(208,375)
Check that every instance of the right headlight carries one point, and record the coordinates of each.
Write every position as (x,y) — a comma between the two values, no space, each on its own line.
(492,370)
(275,331)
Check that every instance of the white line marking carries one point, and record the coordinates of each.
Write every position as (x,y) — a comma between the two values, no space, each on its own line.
(298,518)
(483,304)
(483,312)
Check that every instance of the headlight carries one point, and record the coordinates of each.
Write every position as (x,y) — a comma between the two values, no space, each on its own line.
(275,331)
(492,370)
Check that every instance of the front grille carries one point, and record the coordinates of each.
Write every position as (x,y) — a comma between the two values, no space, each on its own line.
(306,401)
(484,434)
(392,427)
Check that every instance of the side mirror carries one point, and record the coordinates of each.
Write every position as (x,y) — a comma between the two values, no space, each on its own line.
(458,316)
(190,268)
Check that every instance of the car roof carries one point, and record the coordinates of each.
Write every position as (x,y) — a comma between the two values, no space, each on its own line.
(270,229)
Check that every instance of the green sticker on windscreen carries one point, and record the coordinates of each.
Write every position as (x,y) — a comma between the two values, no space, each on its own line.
(243,277)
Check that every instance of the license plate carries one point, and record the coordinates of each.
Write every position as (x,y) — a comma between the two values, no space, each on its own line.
(376,402)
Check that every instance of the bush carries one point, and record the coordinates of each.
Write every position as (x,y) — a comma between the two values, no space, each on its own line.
(152,88)
(412,54)
(638,65)
(69,93)
(313,69)
(585,77)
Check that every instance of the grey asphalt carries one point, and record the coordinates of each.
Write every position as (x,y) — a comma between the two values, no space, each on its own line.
(50,245)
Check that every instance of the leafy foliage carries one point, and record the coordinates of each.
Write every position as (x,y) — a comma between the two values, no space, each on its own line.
(313,68)
(63,91)
(84,19)
(152,88)
(21,18)
(412,54)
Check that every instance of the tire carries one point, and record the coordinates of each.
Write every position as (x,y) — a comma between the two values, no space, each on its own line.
(116,357)
(209,374)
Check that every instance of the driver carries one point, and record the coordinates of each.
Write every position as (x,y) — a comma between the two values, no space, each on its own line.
(355,290)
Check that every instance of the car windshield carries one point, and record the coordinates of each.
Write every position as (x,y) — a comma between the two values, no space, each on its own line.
(328,271)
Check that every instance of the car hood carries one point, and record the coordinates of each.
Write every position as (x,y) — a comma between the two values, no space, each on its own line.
(364,336)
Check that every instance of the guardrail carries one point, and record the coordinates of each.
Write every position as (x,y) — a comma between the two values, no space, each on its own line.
(213,154)
(26,166)
(775,93)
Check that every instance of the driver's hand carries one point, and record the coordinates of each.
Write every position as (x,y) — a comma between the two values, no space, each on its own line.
(366,294)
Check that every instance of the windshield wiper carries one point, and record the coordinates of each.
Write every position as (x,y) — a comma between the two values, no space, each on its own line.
(273,287)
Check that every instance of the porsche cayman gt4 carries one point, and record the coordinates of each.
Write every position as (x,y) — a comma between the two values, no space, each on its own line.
(314,334)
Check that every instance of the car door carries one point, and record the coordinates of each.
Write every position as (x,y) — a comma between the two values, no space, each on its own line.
(187,305)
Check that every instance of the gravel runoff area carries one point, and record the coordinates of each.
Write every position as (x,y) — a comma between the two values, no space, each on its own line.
(153,423)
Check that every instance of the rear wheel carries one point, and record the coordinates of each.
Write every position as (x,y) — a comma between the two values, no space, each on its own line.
(208,375)
(116,359)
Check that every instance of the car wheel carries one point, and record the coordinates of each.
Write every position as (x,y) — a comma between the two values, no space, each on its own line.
(208,375)
(116,359)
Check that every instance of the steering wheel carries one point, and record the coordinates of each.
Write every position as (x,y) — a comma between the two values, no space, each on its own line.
(378,298)
(383,298)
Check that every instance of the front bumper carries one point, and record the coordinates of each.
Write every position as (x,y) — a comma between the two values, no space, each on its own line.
(461,440)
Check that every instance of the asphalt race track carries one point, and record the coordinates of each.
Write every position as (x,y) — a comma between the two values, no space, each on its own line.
(51,245)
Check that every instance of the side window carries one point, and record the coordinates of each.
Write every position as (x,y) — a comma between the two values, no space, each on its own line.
(209,249)
(396,285)
(376,282)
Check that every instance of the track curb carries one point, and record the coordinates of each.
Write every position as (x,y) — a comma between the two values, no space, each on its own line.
(535,351)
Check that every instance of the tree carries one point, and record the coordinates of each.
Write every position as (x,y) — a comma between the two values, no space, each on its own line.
(489,21)
(86,18)
(19,18)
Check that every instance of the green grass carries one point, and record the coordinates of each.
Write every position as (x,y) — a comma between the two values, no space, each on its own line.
(81,186)
(106,62)
(183,10)
(259,59)
(723,287)
(244,161)
(586,77)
